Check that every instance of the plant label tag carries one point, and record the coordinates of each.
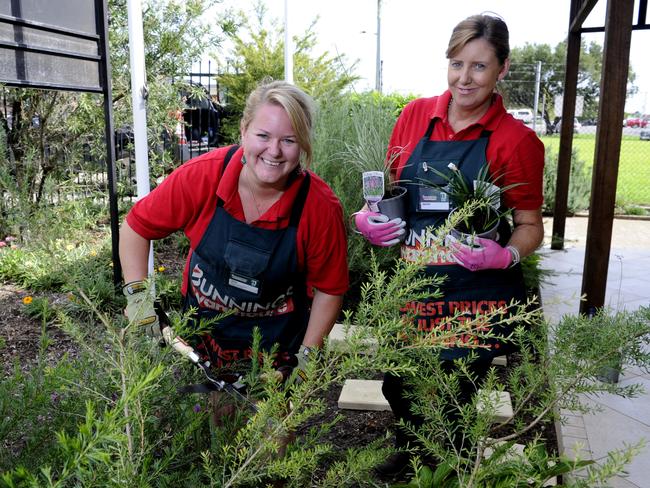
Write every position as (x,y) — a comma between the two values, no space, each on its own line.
(250,285)
(433,200)
(373,188)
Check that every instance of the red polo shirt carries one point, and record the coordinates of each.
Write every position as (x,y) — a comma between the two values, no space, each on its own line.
(187,200)
(514,150)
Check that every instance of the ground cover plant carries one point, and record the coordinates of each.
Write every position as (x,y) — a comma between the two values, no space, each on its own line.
(87,401)
(107,411)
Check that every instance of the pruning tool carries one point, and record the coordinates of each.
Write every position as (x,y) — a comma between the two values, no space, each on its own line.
(213,384)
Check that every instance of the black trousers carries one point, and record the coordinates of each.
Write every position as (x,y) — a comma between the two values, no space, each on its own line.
(395,388)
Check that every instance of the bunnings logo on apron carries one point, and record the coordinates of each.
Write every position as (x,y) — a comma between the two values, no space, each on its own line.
(209,297)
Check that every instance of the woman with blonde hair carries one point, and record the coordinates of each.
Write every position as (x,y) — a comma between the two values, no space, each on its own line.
(266,235)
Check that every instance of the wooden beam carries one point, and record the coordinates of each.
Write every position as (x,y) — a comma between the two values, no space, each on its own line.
(643,13)
(613,85)
(581,13)
(566,134)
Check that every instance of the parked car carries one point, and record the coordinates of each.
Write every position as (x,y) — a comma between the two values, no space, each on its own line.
(199,124)
(644,135)
(123,142)
(197,130)
(636,122)
(576,126)
(201,115)
(523,114)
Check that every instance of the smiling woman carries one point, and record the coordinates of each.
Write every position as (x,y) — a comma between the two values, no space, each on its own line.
(467,129)
(267,239)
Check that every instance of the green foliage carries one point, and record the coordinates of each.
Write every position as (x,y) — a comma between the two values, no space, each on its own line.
(133,422)
(633,210)
(40,309)
(258,54)
(545,379)
(633,183)
(68,142)
(533,271)
(119,419)
(579,183)
(33,405)
(481,198)
(503,469)
(349,130)
(518,88)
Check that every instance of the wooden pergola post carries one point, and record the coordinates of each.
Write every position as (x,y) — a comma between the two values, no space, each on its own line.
(613,86)
(568,115)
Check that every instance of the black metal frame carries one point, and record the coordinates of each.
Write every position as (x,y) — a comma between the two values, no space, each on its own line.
(102,59)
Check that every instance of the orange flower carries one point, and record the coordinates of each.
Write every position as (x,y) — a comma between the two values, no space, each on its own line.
(27,300)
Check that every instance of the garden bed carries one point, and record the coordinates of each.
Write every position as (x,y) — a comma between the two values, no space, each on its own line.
(20,334)
(21,344)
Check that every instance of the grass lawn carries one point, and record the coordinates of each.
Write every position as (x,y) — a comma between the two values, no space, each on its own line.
(633,186)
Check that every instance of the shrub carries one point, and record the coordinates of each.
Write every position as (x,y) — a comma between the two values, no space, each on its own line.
(579,183)
(346,128)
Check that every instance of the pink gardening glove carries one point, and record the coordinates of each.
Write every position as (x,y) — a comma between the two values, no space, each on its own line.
(489,254)
(377,229)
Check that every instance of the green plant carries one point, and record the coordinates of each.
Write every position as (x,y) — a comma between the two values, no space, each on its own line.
(632,210)
(340,125)
(366,149)
(534,467)
(257,54)
(579,182)
(40,309)
(120,421)
(480,199)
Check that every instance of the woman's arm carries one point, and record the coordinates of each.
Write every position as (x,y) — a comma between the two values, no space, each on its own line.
(529,231)
(134,254)
(325,310)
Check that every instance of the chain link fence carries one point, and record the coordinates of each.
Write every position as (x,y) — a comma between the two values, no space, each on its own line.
(528,97)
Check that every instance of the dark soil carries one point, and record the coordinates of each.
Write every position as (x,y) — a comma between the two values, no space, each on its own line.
(20,335)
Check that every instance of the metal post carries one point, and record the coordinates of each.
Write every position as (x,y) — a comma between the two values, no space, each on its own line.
(538,78)
(139,101)
(288,47)
(105,76)
(378,60)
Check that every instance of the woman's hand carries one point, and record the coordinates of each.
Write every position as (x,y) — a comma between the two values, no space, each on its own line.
(487,254)
(377,229)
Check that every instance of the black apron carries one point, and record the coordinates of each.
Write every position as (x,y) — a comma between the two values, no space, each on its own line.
(254,272)
(463,290)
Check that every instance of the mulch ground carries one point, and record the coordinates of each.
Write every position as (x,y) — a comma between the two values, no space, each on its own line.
(20,335)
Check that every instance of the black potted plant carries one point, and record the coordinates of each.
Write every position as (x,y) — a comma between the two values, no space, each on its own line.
(475,206)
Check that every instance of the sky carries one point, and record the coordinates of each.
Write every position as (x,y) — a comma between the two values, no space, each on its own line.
(414,36)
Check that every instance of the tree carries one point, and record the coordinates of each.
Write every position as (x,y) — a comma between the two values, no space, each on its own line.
(518,88)
(258,53)
(176,33)
(52,131)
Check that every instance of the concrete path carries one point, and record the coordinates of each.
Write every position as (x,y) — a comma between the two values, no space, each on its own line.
(620,420)
(628,287)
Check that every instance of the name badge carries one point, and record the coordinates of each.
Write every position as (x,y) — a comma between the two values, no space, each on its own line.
(250,285)
(433,200)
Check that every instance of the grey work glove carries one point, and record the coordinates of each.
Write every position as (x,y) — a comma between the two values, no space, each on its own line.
(140,308)
(303,355)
